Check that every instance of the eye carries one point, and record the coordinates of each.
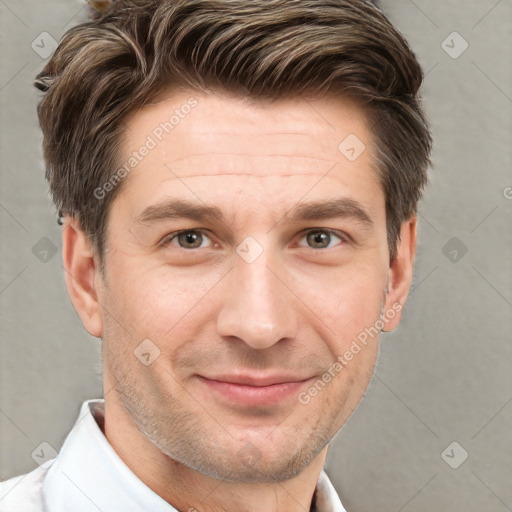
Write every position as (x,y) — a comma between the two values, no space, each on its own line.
(321,239)
(188,239)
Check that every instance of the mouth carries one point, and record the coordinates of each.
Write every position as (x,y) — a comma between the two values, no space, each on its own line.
(254,390)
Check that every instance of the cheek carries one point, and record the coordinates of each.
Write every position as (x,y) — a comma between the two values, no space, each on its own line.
(358,307)
(346,299)
(161,301)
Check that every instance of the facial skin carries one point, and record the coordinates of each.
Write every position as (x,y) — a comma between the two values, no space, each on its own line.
(210,313)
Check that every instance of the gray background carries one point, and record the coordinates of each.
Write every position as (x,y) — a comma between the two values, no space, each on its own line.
(443,376)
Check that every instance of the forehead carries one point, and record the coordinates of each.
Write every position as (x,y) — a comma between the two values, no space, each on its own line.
(220,149)
(223,134)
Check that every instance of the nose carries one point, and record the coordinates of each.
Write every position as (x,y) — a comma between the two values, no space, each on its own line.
(259,308)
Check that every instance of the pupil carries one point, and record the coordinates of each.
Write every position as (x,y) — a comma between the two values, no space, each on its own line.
(190,238)
(320,239)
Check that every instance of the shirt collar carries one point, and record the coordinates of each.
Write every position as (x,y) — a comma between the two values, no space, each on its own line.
(88,475)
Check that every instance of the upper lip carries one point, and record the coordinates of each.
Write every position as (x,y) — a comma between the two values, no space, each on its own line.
(254,379)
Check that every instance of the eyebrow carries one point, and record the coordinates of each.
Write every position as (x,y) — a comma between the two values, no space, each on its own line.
(342,207)
(179,209)
(313,210)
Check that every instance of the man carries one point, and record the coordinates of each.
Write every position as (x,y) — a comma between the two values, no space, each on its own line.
(238,184)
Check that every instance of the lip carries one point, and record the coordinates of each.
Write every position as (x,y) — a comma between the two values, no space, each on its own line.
(254,390)
(257,380)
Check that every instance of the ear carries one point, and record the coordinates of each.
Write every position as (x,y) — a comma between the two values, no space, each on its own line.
(400,275)
(82,276)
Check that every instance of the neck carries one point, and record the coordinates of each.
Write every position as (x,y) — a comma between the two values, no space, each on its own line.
(188,490)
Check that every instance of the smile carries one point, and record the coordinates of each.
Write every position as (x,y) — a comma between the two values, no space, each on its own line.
(252,391)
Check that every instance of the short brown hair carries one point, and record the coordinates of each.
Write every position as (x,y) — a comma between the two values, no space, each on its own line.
(107,68)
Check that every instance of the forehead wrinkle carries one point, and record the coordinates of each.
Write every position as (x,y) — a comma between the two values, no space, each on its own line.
(263,134)
(252,175)
(223,172)
(277,155)
(260,134)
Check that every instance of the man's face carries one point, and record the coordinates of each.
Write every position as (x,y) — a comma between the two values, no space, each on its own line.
(265,291)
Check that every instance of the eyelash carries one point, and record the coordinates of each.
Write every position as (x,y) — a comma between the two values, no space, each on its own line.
(169,238)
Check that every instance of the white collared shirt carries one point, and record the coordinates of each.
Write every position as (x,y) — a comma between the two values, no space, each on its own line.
(89,476)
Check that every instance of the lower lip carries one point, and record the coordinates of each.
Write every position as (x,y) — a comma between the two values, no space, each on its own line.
(254,395)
